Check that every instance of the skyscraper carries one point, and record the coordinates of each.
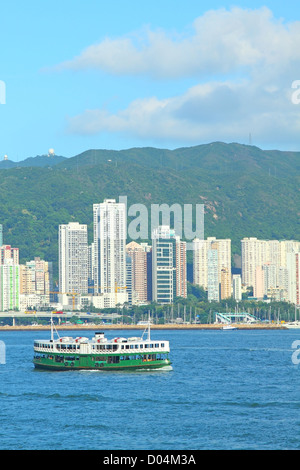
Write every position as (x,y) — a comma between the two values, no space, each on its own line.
(237,287)
(138,256)
(225,284)
(168,265)
(213,285)
(181,268)
(163,265)
(109,249)
(293,267)
(9,285)
(73,258)
(269,255)
(200,258)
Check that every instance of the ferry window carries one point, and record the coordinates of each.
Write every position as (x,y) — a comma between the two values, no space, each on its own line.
(141,346)
(162,345)
(157,345)
(136,346)
(113,360)
(127,346)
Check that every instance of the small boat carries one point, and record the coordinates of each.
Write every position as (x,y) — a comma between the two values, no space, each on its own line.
(68,353)
(229,327)
(292,325)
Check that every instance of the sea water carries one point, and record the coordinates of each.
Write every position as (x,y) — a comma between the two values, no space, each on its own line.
(225,390)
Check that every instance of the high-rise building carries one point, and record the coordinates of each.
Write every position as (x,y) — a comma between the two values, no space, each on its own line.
(36,277)
(254,253)
(293,268)
(237,287)
(181,268)
(73,259)
(109,249)
(264,263)
(163,265)
(213,285)
(200,258)
(130,293)
(168,265)
(259,283)
(139,273)
(7,252)
(225,284)
(148,250)
(200,248)
(9,285)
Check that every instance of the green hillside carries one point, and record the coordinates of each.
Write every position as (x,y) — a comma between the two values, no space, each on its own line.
(246,191)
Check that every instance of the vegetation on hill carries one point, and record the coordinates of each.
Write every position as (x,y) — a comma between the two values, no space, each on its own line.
(246,192)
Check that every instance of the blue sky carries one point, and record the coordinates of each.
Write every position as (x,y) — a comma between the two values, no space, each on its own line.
(97,74)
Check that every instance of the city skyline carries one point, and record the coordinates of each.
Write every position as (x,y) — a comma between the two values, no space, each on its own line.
(270,267)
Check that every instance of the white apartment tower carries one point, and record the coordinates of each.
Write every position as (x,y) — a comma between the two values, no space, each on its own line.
(213,285)
(293,268)
(200,258)
(237,287)
(109,249)
(265,265)
(73,258)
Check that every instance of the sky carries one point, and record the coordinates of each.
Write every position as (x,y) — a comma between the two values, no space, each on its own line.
(78,75)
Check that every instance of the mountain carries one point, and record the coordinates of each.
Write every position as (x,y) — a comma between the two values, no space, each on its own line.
(246,191)
(39,160)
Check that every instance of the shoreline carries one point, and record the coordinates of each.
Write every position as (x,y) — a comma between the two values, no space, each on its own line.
(170,326)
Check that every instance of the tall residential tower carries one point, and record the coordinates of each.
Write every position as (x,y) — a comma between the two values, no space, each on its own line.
(109,249)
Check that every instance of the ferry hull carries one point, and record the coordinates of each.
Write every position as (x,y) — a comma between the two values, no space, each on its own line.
(50,364)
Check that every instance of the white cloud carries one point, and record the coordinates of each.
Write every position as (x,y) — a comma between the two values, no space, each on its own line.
(247,58)
(214,111)
(221,41)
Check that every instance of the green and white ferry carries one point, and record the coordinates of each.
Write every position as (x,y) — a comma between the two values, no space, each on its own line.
(99,353)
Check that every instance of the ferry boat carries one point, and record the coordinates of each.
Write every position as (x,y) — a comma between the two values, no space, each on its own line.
(99,353)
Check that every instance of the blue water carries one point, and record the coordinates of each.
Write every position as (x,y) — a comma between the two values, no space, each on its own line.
(227,390)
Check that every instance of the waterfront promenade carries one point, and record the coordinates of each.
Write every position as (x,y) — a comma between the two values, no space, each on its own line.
(171,326)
